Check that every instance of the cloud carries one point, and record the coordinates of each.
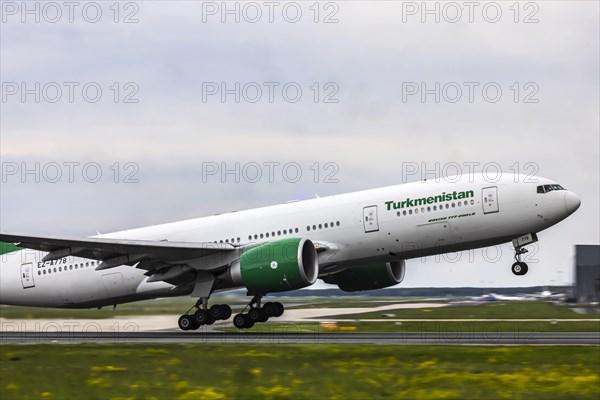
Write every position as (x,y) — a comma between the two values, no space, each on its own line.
(372,129)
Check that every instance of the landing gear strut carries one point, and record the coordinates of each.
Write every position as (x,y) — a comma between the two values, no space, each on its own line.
(257,313)
(519,267)
(203,315)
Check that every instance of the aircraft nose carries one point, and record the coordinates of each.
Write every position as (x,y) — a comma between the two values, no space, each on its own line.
(572,202)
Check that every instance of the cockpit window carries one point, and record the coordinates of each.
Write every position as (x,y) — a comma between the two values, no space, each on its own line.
(549,188)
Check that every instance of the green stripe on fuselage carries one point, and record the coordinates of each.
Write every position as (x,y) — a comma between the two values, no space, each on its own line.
(6,248)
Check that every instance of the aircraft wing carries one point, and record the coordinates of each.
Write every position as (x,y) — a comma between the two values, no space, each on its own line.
(114,252)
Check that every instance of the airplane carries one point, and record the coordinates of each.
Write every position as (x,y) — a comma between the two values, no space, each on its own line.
(358,241)
(499,297)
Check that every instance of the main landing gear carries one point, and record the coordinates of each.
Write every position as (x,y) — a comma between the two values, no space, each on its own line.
(519,267)
(257,313)
(204,315)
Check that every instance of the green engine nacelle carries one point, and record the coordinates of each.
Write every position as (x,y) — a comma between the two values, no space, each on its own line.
(368,277)
(277,266)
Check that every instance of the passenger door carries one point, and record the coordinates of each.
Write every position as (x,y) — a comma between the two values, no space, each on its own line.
(370,219)
(489,199)
(27,275)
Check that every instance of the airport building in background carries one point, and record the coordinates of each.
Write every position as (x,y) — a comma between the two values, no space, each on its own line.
(587,272)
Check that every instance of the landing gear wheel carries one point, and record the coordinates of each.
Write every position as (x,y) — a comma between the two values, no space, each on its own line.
(257,315)
(242,321)
(186,323)
(225,311)
(269,309)
(279,309)
(519,268)
(202,317)
(220,311)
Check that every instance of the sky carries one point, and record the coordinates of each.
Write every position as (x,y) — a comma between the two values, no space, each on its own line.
(121,115)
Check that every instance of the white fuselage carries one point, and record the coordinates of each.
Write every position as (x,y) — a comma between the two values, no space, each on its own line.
(386,224)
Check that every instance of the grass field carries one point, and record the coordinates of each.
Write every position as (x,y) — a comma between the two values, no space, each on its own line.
(212,371)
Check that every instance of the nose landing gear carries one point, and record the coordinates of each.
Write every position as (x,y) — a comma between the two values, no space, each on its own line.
(519,267)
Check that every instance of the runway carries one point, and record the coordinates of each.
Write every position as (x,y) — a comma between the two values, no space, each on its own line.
(317,337)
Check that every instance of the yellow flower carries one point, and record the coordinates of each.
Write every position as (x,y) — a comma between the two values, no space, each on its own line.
(256,371)
(427,364)
(274,392)
(205,394)
(107,368)
(181,385)
(174,361)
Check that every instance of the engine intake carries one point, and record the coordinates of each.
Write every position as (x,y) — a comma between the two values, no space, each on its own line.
(277,266)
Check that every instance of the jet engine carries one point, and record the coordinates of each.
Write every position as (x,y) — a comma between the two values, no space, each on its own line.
(277,266)
(369,277)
